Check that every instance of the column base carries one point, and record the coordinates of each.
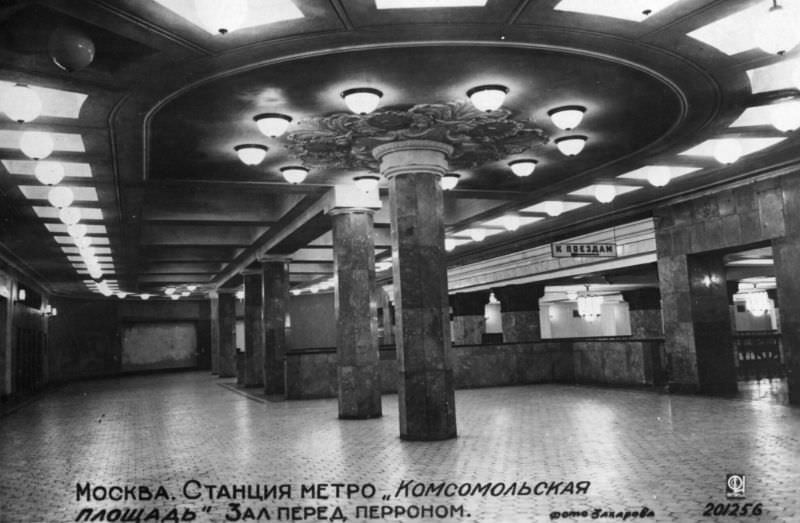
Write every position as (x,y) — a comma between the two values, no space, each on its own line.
(427,405)
(359,392)
(274,379)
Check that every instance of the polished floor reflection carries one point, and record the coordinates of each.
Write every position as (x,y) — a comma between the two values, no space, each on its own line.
(637,449)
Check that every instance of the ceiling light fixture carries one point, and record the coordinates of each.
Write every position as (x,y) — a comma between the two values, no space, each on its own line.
(427,4)
(144,296)
(21,103)
(69,215)
(251,153)
(83,242)
(659,175)
(96,273)
(488,97)
(36,145)
(185,294)
(477,235)
(511,222)
(727,150)
(78,230)
(367,183)
(524,167)
(221,17)
(449,244)
(60,197)
(605,193)
(272,124)
(449,181)
(294,173)
(362,100)
(169,291)
(785,117)
(175,296)
(49,173)
(239,294)
(776,32)
(191,288)
(553,207)
(571,145)
(568,117)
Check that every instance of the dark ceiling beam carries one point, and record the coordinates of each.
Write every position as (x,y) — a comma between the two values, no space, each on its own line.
(217,220)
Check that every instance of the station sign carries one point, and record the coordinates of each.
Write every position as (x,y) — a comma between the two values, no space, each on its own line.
(584,250)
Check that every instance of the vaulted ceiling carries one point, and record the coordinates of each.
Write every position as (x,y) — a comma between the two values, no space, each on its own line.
(147,131)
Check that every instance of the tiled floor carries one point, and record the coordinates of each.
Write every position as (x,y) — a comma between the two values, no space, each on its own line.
(668,453)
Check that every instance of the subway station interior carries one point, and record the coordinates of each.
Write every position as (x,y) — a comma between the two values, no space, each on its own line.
(540,255)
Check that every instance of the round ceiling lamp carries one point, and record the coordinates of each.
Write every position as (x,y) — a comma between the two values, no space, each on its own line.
(477,235)
(568,117)
(659,175)
(21,103)
(727,150)
(776,32)
(605,193)
(169,291)
(449,244)
(785,117)
(524,167)
(60,197)
(69,215)
(511,222)
(175,296)
(571,145)
(272,124)
(294,173)
(96,273)
(144,296)
(36,145)
(70,49)
(83,242)
(362,100)
(488,97)
(367,183)
(191,288)
(553,207)
(78,230)
(221,17)
(49,173)
(449,181)
(251,153)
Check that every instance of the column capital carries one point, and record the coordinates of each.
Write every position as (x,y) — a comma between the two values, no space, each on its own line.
(413,156)
(213,294)
(349,210)
(274,258)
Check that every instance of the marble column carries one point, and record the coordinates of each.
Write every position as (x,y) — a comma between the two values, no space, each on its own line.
(213,302)
(227,334)
(425,387)
(786,252)
(520,312)
(275,273)
(697,325)
(469,321)
(356,314)
(253,329)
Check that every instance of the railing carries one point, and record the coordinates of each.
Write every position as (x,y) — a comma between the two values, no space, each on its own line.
(758,355)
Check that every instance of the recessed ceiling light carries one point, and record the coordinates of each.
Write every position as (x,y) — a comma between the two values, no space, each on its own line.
(258,13)
(427,4)
(55,103)
(748,146)
(633,10)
